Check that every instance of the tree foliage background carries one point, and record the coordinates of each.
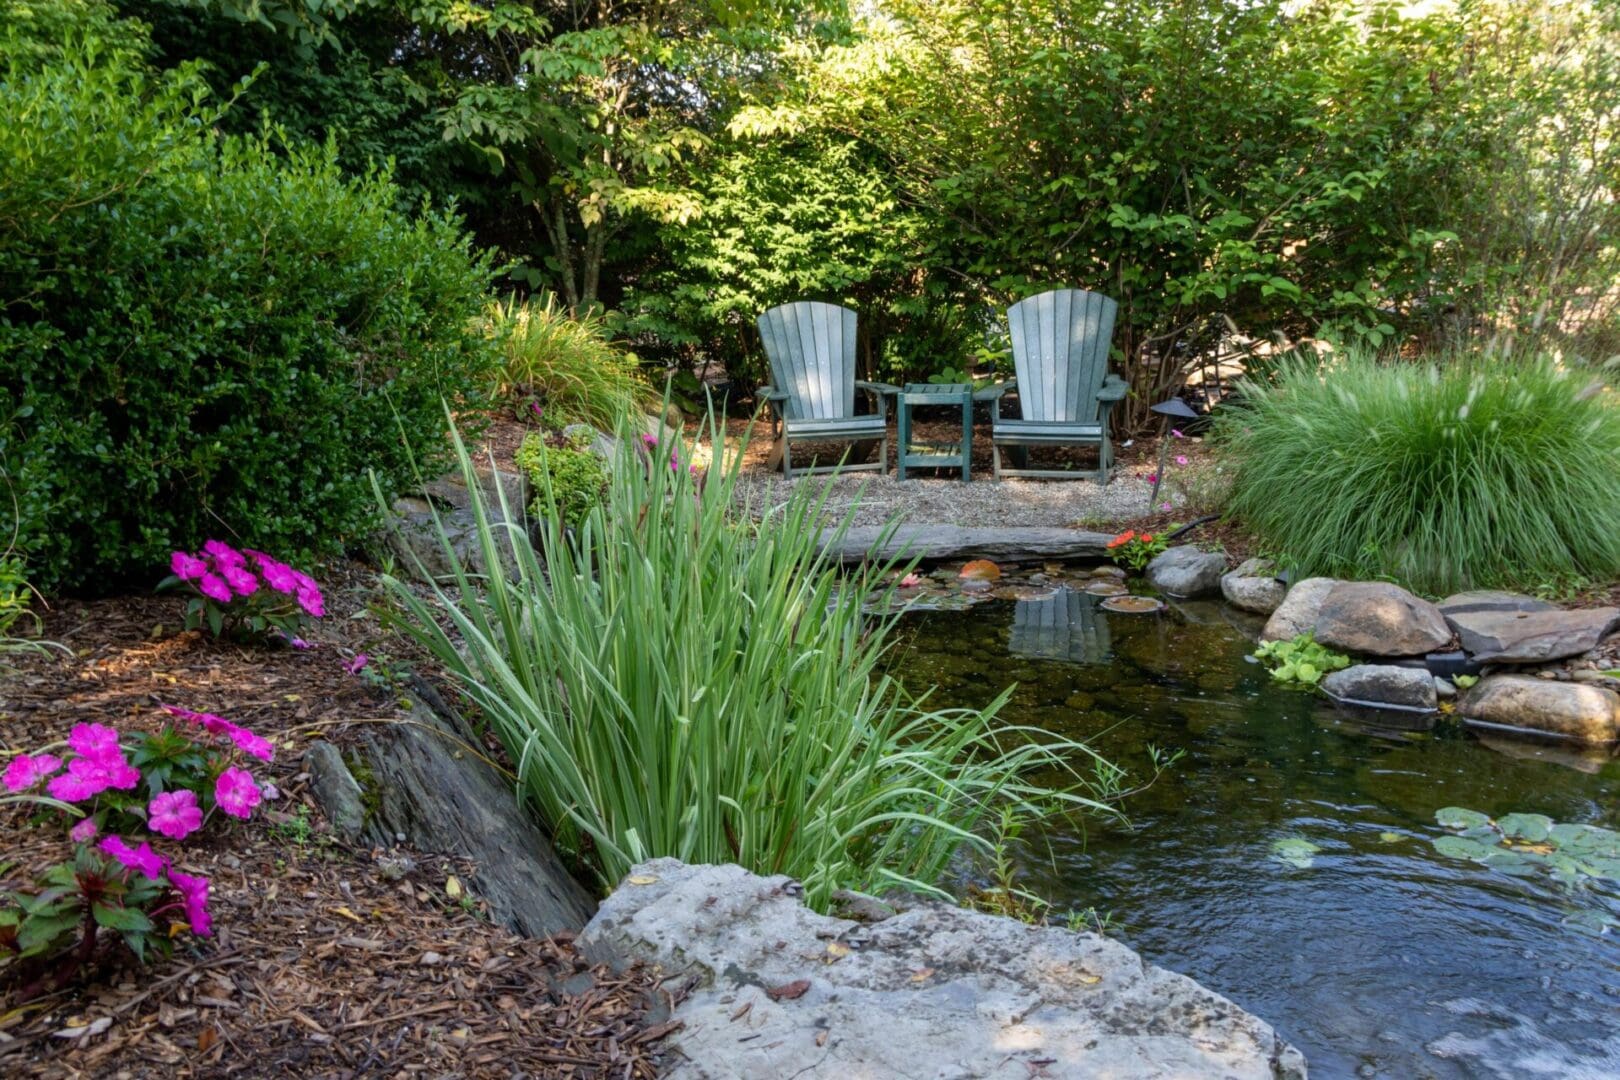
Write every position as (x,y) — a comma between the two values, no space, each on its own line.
(1235,172)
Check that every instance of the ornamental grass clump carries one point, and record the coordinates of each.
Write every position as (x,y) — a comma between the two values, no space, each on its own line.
(562,368)
(1463,473)
(683,681)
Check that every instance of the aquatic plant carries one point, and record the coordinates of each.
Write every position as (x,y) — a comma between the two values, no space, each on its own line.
(1523,843)
(1300,660)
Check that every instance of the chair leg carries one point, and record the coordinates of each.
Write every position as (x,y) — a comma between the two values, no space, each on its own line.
(995,460)
(1105,457)
(883,454)
(787,458)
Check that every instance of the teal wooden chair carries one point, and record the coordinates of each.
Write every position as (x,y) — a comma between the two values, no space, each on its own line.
(811,347)
(1065,392)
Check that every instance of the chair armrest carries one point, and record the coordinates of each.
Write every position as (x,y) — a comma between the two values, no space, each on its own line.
(771,393)
(993,393)
(881,393)
(1113,389)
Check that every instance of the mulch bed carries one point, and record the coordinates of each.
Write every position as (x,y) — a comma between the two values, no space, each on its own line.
(327,960)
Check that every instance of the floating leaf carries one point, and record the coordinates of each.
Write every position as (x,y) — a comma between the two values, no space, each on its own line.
(1390,837)
(1455,817)
(1461,847)
(980,570)
(1294,851)
(1532,827)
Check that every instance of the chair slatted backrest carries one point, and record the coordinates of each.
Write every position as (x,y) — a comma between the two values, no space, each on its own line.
(1060,345)
(811,347)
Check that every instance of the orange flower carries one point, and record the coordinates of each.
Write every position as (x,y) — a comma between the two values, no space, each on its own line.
(1122,538)
(1147,538)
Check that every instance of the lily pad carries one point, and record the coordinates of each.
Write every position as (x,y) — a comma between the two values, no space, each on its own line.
(1585,840)
(1105,588)
(1294,851)
(1532,827)
(1133,605)
(1390,837)
(1455,817)
(1461,847)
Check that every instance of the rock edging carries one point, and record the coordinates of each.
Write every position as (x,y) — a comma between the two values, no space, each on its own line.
(932,991)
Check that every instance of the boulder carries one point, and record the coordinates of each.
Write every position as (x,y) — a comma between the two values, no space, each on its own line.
(424,787)
(1297,613)
(1187,571)
(1253,586)
(602,445)
(1572,710)
(934,991)
(1382,685)
(335,789)
(412,534)
(1508,636)
(1375,618)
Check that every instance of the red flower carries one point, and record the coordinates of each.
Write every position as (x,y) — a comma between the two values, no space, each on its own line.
(1123,538)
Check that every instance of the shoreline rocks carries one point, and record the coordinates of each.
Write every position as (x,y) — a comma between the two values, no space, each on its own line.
(1297,613)
(1254,587)
(1187,572)
(934,990)
(1383,685)
(1566,710)
(1373,618)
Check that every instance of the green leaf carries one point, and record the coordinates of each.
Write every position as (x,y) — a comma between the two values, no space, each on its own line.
(1294,851)
(1456,817)
(1460,847)
(1531,827)
(121,918)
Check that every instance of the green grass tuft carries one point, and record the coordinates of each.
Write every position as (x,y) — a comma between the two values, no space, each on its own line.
(1470,473)
(565,365)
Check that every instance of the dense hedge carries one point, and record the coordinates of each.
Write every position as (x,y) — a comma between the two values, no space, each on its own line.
(203,336)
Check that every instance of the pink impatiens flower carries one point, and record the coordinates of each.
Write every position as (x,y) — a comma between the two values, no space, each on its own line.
(1181,459)
(143,859)
(87,777)
(279,576)
(187,567)
(236,793)
(223,554)
(26,770)
(175,814)
(214,587)
(84,832)
(1177,433)
(249,743)
(357,665)
(310,600)
(193,892)
(93,740)
(242,582)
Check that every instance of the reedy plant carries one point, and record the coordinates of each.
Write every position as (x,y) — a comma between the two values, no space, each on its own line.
(681,681)
(1461,472)
(563,365)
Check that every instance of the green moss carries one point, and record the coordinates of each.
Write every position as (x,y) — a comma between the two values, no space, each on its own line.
(568,479)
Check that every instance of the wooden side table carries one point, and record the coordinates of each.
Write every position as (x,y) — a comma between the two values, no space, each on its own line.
(934,455)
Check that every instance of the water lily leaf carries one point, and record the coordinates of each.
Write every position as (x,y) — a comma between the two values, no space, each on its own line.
(1390,837)
(1461,847)
(1455,817)
(1603,868)
(980,570)
(1585,840)
(1294,851)
(1532,827)
(1565,870)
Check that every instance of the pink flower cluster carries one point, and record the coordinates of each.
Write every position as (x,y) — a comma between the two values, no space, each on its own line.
(221,573)
(100,765)
(243,739)
(193,889)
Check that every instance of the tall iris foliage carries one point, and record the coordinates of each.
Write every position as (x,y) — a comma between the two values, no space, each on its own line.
(674,678)
(1463,473)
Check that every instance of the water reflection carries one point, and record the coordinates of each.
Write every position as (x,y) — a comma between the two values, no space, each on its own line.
(1382,958)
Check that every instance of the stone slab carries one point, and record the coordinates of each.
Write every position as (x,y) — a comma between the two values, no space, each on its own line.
(1530,637)
(940,542)
(934,991)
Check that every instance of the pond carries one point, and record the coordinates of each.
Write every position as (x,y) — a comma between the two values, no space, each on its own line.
(1375,955)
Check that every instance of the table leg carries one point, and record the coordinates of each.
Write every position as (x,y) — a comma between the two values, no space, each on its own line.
(903,430)
(967,437)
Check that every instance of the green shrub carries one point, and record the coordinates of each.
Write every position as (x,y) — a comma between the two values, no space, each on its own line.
(203,336)
(567,478)
(1470,472)
(679,681)
(565,367)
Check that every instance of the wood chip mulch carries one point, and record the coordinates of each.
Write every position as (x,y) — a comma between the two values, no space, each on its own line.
(327,960)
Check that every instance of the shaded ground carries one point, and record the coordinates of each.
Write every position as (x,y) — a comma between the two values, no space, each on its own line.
(327,960)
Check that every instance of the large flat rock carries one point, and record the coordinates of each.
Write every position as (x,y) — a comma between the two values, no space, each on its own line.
(935,991)
(1375,618)
(935,542)
(1529,637)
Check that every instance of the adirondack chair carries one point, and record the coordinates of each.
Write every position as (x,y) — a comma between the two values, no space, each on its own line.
(1064,626)
(1065,391)
(811,347)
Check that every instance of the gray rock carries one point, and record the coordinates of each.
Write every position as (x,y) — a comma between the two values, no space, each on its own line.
(335,789)
(412,534)
(1253,586)
(1577,711)
(935,991)
(935,542)
(603,446)
(1530,637)
(1382,684)
(1443,688)
(442,799)
(1187,571)
(1374,618)
(1492,600)
(1297,613)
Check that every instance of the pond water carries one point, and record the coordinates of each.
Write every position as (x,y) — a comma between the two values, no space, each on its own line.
(1381,958)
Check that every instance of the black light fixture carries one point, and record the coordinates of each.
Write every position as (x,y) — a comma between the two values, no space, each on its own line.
(1174,409)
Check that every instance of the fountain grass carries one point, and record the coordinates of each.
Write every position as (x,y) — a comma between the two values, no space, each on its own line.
(673,678)
(1464,473)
